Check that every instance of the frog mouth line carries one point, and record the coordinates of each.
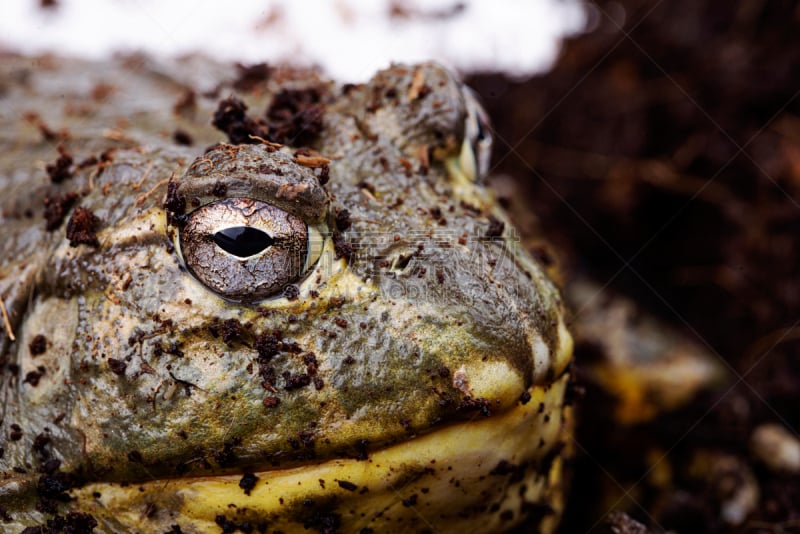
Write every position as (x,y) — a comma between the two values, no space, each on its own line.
(424,481)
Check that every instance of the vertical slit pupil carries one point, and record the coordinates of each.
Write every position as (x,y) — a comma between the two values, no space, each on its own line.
(242,241)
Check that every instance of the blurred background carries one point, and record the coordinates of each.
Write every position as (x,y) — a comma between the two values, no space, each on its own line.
(348,39)
(648,150)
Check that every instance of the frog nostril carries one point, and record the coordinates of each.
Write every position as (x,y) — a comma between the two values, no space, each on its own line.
(242,241)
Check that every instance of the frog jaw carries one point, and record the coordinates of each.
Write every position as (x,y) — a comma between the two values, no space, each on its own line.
(448,480)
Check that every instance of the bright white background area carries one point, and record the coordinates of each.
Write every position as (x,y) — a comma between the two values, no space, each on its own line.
(349,39)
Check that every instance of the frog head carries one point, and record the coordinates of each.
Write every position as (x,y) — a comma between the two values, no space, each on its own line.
(352,325)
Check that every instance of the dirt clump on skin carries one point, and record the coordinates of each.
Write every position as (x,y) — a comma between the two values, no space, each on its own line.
(660,156)
(293,117)
(61,168)
(82,228)
(231,117)
(56,208)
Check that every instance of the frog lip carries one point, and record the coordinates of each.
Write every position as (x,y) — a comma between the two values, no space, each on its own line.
(485,456)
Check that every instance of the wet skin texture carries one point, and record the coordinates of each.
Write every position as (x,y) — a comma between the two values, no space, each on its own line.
(404,368)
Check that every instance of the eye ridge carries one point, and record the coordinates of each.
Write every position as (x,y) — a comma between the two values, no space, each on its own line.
(242,241)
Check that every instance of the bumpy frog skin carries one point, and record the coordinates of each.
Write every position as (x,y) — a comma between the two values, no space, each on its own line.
(411,379)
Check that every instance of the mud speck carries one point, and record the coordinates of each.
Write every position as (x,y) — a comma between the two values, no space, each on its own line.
(82,228)
(60,170)
(341,247)
(291,292)
(56,208)
(248,482)
(271,402)
(182,137)
(231,118)
(343,221)
(38,345)
(495,227)
(251,76)
(175,202)
(295,116)
(117,366)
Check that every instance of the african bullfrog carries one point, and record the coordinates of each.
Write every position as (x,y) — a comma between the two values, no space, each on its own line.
(323,321)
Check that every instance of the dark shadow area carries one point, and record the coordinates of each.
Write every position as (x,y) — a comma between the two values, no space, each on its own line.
(662,155)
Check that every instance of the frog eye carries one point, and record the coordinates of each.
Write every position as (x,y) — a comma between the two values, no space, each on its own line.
(245,249)
(476,150)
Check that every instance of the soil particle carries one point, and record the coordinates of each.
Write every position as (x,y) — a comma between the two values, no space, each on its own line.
(33,377)
(226,456)
(60,170)
(231,331)
(82,227)
(343,221)
(310,359)
(291,292)
(251,76)
(182,137)
(219,190)
(346,485)
(40,445)
(622,523)
(295,381)
(248,482)
(16,432)
(54,486)
(117,366)
(50,466)
(324,174)
(38,345)
(226,524)
(480,404)
(342,248)
(324,522)
(56,208)
(231,118)
(295,116)
(48,134)
(267,346)
(175,202)
(411,501)
(495,228)
(89,161)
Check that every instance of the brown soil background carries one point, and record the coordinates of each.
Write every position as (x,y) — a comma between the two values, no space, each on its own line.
(662,154)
